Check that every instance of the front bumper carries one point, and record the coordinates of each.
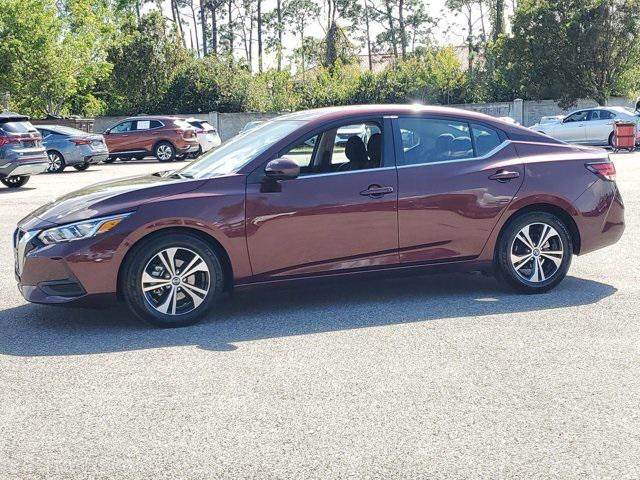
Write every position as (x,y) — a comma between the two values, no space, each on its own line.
(67,273)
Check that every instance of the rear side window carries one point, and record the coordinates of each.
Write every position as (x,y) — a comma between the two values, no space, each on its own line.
(429,140)
(485,139)
(17,127)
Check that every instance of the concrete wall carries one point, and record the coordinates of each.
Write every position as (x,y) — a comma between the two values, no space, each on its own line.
(229,124)
(525,112)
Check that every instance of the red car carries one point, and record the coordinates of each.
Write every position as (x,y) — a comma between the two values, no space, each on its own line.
(427,189)
(163,137)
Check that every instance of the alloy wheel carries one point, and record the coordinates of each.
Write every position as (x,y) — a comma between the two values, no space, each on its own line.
(164,152)
(175,281)
(537,252)
(55,162)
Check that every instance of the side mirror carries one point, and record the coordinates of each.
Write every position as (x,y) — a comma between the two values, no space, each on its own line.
(282,169)
(107,131)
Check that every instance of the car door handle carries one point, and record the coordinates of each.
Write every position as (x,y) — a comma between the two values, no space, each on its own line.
(504,175)
(376,191)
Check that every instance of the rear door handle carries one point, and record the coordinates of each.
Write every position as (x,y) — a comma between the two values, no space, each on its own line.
(376,191)
(504,175)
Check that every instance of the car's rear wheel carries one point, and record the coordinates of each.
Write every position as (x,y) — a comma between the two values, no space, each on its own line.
(56,162)
(165,152)
(171,280)
(534,252)
(195,154)
(110,160)
(81,167)
(15,182)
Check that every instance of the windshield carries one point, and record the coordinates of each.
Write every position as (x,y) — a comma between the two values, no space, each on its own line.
(240,150)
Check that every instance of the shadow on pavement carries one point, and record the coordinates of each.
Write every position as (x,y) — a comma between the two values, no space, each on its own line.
(32,330)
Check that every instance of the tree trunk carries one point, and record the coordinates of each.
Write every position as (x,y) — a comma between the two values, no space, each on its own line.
(403,33)
(331,54)
(214,30)
(230,4)
(259,36)
(279,47)
(366,21)
(470,40)
(392,28)
(195,28)
(499,25)
(203,24)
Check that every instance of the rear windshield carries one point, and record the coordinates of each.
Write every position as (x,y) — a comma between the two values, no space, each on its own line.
(68,131)
(17,127)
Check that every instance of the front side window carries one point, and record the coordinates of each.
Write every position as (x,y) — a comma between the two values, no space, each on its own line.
(577,117)
(123,127)
(346,148)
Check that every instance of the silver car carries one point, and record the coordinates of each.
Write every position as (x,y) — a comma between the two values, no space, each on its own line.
(589,126)
(21,151)
(70,147)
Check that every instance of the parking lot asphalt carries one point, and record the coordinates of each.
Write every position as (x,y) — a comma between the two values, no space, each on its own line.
(446,376)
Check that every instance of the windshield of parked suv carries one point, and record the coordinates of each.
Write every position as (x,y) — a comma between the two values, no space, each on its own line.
(240,150)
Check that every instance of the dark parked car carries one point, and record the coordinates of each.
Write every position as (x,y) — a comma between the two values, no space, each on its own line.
(164,137)
(21,150)
(432,189)
(70,147)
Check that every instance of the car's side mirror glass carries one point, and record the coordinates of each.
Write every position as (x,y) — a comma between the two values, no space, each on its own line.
(107,131)
(282,169)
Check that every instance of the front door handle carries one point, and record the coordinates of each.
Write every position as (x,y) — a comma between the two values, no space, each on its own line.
(504,175)
(376,191)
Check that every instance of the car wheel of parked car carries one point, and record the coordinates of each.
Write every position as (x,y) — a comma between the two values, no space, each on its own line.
(610,141)
(165,152)
(15,182)
(172,279)
(81,167)
(534,252)
(56,162)
(110,160)
(195,154)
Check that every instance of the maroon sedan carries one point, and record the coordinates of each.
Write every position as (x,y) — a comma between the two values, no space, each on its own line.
(411,189)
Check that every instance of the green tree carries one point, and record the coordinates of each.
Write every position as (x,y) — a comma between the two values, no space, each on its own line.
(53,54)
(144,65)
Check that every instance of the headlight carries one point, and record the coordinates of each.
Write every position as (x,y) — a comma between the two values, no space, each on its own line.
(80,230)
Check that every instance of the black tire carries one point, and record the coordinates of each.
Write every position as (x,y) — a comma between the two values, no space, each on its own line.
(110,160)
(15,182)
(81,167)
(194,155)
(610,141)
(550,270)
(164,152)
(141,256)
(56,162)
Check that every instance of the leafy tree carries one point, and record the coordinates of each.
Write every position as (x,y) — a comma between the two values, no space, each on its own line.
(52,55)
(144,65)
(568,49)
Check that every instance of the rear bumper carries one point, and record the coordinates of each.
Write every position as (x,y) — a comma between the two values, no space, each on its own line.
(601,216)
(24,167)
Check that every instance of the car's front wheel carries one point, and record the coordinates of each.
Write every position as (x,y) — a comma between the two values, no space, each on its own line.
(172,279)
(14,182)
(534,252)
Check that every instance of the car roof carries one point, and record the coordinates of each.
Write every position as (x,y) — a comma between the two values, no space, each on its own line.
(12,117)
(327,114)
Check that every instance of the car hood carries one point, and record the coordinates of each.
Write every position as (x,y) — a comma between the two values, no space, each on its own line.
(107,198)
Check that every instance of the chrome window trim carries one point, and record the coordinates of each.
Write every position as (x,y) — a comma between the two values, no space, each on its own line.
(327,174)
(490,153)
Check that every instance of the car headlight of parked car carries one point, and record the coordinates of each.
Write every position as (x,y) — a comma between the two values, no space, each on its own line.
(81,230)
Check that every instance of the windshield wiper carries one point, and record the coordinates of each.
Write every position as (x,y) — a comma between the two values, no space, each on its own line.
(179,175)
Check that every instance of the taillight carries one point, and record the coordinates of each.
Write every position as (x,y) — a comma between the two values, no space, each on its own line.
(200,130)
(606,170)
(9,139)
(81,141)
